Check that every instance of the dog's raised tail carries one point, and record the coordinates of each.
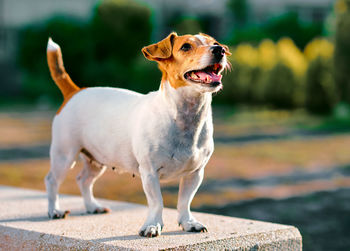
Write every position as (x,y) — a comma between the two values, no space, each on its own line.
(58,73)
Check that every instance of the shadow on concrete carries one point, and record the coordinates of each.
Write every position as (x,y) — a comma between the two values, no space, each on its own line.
(136,237)
(43,218)
(20,219)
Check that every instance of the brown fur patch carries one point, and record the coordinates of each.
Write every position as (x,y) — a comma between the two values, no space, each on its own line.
(59,74)
(61,77)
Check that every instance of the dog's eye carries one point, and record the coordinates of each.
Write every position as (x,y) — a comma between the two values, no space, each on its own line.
(186,47)
(216,43)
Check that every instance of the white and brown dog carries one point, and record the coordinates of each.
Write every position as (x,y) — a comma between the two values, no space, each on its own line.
(163,135)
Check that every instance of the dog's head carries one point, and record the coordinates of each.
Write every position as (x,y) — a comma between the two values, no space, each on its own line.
(190,60)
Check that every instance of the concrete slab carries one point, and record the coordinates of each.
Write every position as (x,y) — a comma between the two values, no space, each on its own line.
(24,226)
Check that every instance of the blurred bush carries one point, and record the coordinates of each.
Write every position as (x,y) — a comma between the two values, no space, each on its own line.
(342,49)
(286,25)
(33,40)
(106,50)
(121,28)
(239,83)
(321,91)
(289,25)
(239,9)
(280,87)
(186,24)
(282,76)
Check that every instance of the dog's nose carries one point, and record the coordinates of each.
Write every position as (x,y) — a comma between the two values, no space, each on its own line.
(218,51)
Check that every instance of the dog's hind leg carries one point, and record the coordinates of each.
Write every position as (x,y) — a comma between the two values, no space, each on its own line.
(60,164)
(86,180)
(188,187)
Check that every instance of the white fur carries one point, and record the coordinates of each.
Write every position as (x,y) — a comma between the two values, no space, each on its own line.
(201,38)
(162,135)
(52,46)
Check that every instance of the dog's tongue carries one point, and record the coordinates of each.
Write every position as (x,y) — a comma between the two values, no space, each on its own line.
(215,78)
(208,76)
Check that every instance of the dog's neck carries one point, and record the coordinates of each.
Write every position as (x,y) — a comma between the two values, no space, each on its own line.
(189,108)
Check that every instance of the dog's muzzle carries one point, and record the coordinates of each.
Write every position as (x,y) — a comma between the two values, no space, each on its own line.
(218,52)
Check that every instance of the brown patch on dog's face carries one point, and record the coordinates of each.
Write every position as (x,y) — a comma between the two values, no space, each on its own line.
(189,59)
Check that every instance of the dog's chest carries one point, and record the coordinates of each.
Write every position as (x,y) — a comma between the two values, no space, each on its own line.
(175,134)
(185,150)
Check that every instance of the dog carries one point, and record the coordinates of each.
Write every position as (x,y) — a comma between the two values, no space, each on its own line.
(160,136)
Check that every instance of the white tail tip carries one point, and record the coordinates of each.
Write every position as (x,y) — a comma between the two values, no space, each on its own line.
(52,46)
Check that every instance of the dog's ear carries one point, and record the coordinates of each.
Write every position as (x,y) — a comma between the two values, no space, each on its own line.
(161,50)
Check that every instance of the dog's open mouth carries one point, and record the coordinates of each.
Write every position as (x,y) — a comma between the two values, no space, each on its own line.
(208,75)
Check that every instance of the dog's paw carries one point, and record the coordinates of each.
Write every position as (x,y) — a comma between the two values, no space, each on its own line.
(100,210)
(193,226)
(57,214)
(151,231)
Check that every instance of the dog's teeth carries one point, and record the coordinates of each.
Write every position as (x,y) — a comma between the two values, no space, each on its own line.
(207,79)
(193,75)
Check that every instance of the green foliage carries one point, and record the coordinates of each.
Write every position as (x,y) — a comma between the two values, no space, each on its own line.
(282,76)
(280,87)
(33,40)
(251,35)
(287,25)
(240,84)
(102,51)
(321,91)
(239,9)
(146,75)
(188,24)
(342,51)
(121,29)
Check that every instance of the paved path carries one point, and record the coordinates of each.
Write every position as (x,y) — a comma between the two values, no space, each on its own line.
(24,225)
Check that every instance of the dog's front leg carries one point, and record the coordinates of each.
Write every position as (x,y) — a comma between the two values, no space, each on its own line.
(188,187)
(154,222)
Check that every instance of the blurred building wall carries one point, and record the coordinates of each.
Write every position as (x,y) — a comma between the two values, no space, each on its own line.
(307,10)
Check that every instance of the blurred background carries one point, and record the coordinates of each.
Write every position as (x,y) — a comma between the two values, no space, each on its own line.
(282,121)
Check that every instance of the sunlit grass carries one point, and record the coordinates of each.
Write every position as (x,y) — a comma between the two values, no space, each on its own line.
(230,121)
